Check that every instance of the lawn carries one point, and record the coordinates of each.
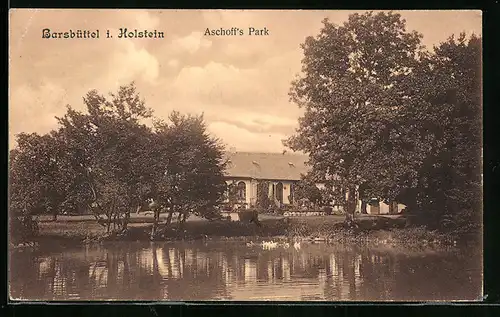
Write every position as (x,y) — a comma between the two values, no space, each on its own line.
(148,218)
(80,227)
(137,218)
(134,218)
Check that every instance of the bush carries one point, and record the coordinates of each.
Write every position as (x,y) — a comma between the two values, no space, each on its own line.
(464,222)
(23,229)
(248,215)
(211,215)
(328,210)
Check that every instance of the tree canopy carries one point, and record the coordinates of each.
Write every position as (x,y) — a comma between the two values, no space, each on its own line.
(382,113)
(108,161)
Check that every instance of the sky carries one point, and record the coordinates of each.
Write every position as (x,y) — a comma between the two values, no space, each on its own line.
(240,84)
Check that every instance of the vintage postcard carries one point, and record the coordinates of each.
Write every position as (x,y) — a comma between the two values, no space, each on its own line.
(245,155)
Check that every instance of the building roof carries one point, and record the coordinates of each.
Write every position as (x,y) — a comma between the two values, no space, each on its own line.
(268,166)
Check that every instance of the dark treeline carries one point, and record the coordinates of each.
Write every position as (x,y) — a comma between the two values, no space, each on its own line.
(108,162)
(391,120)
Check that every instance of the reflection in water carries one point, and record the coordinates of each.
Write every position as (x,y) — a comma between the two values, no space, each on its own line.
(233,271)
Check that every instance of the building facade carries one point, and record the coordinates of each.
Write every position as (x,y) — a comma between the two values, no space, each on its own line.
(247,171)
(279,171)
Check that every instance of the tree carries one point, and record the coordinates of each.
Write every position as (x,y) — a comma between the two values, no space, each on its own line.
(447,102)
(263,201)
(106,148)
(38,163)
(25,192)
(351,91)
(191,168)
(108,161)
(391,120)
(306,189)
(232,194)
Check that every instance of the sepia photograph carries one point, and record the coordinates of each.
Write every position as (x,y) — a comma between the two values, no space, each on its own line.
(245,155)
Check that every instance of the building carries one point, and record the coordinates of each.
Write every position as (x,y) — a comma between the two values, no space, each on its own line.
(280,171)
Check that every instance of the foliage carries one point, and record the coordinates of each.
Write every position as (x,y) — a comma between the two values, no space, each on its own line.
(263,201)
(232,193)
(109,161)
(36,182)
(248,215)
(22,228)
(349,91)
(448,185)
(38,177)
(307,190)
(190,167)
(385,116)
(106,147)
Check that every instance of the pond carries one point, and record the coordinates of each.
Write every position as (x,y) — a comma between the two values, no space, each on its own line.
(193,271)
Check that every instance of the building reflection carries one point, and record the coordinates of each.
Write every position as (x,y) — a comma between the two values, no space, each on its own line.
(250,271)
(156,271)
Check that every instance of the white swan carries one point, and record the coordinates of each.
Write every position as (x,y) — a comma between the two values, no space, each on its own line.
(319,239)
(269,245)
(296,245)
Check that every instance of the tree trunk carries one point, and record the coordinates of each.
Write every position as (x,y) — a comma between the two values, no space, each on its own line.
(391,208)
(362,196)
(54,215)
(170,215)
(364,207)
(111,211)
(97,216)
(350,206)
(182,219)
(126,220)
(157,215)
(155,222)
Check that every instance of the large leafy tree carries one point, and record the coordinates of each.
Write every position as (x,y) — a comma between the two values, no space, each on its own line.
(38,181)
(39,178)
(445,108)
(190,167)
(392,120)
(107,147)
(109,161)
(25,190)
(351,92)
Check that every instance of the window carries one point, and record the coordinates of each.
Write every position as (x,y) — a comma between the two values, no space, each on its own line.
(279,192)
(242,194)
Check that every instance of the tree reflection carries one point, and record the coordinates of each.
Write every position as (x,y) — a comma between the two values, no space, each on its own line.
(155,271)
(198,278)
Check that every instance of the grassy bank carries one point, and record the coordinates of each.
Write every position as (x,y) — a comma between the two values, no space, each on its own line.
(376,229)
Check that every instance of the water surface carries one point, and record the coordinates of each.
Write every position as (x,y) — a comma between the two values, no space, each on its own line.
(233,271)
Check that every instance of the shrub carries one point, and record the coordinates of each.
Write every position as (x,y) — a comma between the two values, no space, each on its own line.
(248,215)
(23,229)
(328,210)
